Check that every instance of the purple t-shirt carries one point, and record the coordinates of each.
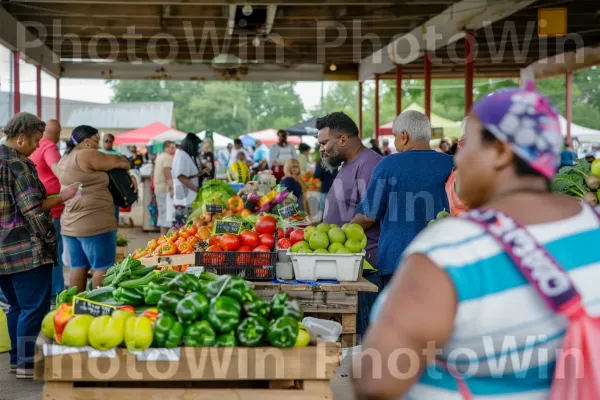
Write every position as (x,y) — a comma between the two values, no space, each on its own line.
(345,194)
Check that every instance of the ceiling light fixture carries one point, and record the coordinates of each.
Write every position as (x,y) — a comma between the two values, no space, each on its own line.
(256,41)
(247,9)
(332,67)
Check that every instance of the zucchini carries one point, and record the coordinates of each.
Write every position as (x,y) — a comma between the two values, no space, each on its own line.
(109,280)
(208,276)
(100,295)
(139,283)
(142,271)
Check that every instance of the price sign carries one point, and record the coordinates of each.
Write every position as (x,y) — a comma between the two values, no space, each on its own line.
(222,227)
(84,306)
(288,211)
(194,271)
(214,208)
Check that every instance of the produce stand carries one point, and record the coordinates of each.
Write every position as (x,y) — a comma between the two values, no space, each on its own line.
(263,373)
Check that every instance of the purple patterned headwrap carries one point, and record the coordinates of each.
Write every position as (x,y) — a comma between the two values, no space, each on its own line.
(528,121)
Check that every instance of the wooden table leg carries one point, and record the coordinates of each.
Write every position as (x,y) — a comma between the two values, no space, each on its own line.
(348,330)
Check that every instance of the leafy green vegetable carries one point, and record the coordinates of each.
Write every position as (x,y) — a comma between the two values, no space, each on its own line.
(571,181)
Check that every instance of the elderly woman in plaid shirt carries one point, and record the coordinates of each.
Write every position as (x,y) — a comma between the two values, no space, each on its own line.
(28,247)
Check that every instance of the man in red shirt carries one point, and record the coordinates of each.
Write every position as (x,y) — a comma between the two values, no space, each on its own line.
(46,158)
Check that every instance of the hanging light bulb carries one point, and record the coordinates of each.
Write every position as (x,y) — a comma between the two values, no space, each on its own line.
(256,41)
(332,67)
(247,9)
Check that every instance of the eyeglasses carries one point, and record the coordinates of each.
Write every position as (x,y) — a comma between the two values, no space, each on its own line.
(108,141)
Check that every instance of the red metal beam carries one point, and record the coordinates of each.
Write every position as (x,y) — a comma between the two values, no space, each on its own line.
(376,119)
(58,99)
(16,81)
(469,66)
(38,100)
(360,109)
(398,90)
(569,101)
(428,85)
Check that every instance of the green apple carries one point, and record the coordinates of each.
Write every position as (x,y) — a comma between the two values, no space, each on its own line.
(355,231)
(353,245)
(363,242)
(344,227)
(319,240)
(309,231)
(138,333)
(106,332)
(334,247)
(76,331)
(321,251)
(343,250)
(304,248)
(337,235)
(48,325)
(323,228)
(333,226)
(297,246)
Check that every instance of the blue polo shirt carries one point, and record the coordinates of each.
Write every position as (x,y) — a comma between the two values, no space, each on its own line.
(407,190)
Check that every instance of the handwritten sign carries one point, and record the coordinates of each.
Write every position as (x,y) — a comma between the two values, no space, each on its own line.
(288,211)
(84,306)
(214,208)
(194,271)
(222,227)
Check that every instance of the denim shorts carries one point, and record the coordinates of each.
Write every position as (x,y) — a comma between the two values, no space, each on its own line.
(97,252)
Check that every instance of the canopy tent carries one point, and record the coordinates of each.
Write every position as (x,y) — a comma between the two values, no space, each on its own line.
(582,134)
(268,137)
(220,142)
(308,127)
(143,135)
(451,128)
(172,134)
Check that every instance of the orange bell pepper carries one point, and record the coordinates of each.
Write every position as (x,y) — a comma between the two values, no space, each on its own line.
(236,204)
(139,253)
(183,233)
(126,308)
(192,240)
(64,313)
(179,241)
(161,240)
(185,248)
(172,236)
(152,245)
(191,229)
(168,249)
(158,251)
(151,313)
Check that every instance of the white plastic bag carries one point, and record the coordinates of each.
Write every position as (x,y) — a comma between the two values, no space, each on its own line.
(322,330)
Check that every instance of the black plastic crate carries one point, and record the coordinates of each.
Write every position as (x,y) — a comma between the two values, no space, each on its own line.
(248,265)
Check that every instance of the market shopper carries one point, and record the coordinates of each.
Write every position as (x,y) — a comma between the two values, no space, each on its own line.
(88,222)
(303,156)
(108,145)
(46,158)
(163,184)
(238,149)
(186,173)
(280,153)
(341,147)
(406,191)
(458,290)
(294,184)
(28,247)
(327,178)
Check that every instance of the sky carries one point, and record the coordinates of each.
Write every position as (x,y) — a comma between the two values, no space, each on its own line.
(96,90)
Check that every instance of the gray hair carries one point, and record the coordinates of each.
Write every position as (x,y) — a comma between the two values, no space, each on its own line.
(415,123)
(25,123)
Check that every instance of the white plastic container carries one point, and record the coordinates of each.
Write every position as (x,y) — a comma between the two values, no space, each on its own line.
(341,267)
(322,330)
(282,256)
(285,271)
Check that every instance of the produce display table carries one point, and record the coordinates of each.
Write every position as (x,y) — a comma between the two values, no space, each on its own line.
(264,373)
(326,301)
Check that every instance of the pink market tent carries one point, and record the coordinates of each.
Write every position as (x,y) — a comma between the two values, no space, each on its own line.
(269,137)
(143,135)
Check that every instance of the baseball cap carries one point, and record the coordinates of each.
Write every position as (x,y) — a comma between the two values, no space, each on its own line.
(528,121)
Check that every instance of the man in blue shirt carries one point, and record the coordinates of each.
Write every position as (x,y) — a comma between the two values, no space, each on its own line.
(406,190)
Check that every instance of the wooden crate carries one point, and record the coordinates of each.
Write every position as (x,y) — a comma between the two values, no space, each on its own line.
(263,373)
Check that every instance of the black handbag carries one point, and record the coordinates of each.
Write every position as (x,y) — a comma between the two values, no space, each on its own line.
(121,188)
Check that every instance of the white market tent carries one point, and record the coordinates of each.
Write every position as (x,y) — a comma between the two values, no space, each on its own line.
(220,142)
(581,133)
(171,134)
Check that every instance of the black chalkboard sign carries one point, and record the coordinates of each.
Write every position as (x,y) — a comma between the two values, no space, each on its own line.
(84,306)
(214,208)
(288,211)
(228,227)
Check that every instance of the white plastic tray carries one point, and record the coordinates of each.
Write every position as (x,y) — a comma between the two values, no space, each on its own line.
(341,267)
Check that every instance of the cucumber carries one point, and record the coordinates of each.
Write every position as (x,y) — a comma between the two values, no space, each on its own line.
(101,294)
(140,282)
(142,271)
(208,276)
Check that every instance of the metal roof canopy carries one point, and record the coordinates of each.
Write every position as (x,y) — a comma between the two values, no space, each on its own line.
(300,40)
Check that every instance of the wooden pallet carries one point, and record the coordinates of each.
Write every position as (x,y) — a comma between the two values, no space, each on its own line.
(263,373)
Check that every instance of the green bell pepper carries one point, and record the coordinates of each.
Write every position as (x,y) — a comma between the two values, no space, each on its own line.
(250,297)
(259,308)
(289,309)
(278,304)
(251,331)
(130,296)
(184,283)
(199,334)
(226,340)
(224,314)
(167,331)
(235,287)
(203,287)
(168,301)
(193,307)
(283,332)
(153,292)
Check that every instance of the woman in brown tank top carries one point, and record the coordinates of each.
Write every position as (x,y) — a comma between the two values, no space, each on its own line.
(88,222)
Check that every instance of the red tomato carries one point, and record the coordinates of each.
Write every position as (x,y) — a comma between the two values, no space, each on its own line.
(267,240)
(245,249)
(266,224)
(209,258)
(297,236)
(261,249)
(249,238)
(229,242)
(284,244)
(214,240)
(280,234)
(262,260)
(244,258)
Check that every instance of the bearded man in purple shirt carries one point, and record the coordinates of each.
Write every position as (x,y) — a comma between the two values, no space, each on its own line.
(341,147)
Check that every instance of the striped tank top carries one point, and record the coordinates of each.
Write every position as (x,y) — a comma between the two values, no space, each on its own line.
(505,338)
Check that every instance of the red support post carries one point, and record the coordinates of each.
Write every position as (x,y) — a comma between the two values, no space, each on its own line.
(16,81)
(38,100)
(376,119)
(58,99)
(569,105)
(427,85)
(469,64)
(360,109)
(398,90)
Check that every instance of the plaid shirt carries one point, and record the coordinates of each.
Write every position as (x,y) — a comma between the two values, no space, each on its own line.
(27,238)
